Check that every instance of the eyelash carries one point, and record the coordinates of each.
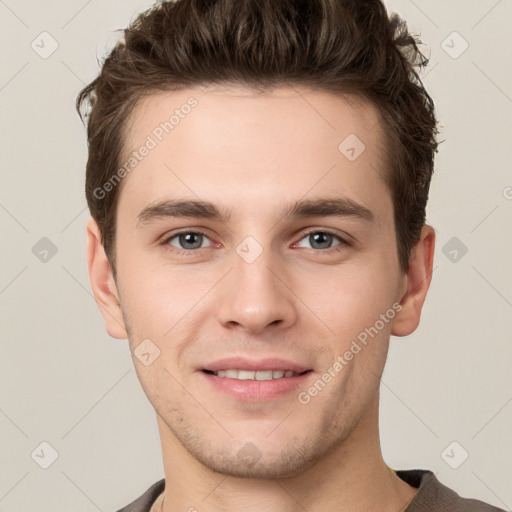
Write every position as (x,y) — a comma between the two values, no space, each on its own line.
(190,252)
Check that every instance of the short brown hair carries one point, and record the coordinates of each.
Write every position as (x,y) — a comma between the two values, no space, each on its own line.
(338,46)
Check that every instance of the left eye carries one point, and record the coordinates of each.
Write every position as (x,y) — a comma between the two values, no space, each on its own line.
(323,239)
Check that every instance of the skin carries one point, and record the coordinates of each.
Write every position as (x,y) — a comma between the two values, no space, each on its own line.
(253,154)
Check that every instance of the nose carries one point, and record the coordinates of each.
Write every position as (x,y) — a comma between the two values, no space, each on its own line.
(257,295)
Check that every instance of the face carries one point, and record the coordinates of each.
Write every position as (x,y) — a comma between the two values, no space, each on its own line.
(251,237)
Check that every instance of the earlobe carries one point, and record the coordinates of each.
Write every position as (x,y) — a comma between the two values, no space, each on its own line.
(418,278)
(103,284)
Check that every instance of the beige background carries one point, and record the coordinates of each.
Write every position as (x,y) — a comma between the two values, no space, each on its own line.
(65,382)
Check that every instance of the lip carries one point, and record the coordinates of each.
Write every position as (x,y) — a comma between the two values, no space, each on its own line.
(255,390)
(242,363)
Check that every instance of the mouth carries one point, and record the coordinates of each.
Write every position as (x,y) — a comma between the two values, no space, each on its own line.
(256,374)
(255,381)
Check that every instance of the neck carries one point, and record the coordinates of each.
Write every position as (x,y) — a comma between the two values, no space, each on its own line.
(353,477)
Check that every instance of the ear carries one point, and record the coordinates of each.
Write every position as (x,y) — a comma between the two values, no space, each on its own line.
(417,283)
(103,284)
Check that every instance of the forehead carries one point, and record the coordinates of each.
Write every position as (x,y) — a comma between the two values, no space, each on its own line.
(305,110)
(238,142)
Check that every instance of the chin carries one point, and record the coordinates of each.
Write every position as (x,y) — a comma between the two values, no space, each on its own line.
(252,461)
(263,469)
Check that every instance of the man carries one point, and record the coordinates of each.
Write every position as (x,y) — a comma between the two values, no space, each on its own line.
(258,174)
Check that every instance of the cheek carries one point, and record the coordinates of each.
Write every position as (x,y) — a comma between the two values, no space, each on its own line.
(163,304)
(352,297)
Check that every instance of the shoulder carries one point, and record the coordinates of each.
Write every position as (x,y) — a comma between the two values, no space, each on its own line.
(144,502)
(433,496)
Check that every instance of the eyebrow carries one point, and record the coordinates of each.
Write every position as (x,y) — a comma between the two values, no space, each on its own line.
(321,207)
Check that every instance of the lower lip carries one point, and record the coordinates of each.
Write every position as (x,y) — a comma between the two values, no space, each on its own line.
(256,390)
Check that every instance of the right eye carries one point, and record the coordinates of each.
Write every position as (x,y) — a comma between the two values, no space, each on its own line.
(189,241)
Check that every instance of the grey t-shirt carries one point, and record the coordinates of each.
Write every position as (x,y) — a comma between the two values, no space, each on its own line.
(432,496)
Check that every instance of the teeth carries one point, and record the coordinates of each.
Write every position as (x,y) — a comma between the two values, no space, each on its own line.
(245,375)
(258,375)
(263,375)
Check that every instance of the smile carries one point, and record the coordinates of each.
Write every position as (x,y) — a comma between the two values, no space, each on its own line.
(254,375)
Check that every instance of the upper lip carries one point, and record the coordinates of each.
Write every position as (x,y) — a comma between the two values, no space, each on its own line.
(242,363)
